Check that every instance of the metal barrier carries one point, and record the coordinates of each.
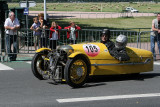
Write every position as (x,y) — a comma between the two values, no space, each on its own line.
(25,39)
(0,46)
(145,42)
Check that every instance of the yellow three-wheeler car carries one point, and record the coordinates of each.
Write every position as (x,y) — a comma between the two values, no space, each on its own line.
(75,63)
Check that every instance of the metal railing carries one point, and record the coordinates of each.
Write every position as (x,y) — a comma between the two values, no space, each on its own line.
(145,42)
(25,43)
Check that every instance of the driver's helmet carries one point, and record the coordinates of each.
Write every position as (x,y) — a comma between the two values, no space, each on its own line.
(106,32)
(121,41)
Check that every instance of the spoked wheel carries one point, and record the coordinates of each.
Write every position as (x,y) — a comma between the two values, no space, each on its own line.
(76,72)
(39,66)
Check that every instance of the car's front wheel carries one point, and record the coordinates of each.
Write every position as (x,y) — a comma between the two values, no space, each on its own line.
(39,66)
(76,71)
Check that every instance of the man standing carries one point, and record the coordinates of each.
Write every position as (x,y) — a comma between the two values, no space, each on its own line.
(11,25)
(155,34)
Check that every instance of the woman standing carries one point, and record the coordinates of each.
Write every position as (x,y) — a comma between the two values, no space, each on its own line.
(54,35)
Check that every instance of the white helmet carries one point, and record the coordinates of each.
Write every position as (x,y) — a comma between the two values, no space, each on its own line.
(121,41)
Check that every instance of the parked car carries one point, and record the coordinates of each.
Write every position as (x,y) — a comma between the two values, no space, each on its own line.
(75,63)
(130,9)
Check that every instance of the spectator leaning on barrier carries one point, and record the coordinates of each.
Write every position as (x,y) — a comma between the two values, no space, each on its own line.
(36,32)
(155,34)
(44,25)
(11,25)
(54,35)
(72,32)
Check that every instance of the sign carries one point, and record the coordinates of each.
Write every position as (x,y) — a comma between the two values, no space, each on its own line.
(30,4)
(91,49)
(26,12)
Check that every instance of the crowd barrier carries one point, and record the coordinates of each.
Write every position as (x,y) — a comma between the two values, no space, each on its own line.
(145,42)
(24,42)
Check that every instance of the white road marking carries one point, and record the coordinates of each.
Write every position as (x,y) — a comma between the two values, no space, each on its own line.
(29,62)
(156,63)
(4,67)
(107,97)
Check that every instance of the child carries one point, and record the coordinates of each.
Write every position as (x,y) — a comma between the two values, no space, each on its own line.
(72,32)
(54,35)
(36,32)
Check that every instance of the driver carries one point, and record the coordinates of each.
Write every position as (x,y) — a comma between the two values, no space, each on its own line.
(105,39)
(117,50)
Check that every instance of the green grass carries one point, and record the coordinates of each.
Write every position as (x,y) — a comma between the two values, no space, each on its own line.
(113,23)
(93,7)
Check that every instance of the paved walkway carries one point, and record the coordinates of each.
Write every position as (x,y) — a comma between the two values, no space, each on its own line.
(63,14)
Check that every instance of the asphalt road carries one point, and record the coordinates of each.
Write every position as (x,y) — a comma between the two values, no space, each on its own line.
(19,88)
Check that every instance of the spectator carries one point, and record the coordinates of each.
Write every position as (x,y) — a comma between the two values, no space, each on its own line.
(72,32)
(54,35)
(36,32)
(155,35)
(44,25)
(11,25)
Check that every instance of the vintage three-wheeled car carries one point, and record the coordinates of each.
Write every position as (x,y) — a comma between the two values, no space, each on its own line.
(75,63)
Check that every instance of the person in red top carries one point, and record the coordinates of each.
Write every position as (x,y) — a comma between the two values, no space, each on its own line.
(54,35)
(72,32)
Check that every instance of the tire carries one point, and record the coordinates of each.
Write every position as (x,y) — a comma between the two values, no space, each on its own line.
(76,75)
(37,70)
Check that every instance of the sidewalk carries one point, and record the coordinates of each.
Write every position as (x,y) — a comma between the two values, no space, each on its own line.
(70,14)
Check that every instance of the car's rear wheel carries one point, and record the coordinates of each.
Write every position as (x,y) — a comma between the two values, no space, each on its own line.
(39,66)
(76,71)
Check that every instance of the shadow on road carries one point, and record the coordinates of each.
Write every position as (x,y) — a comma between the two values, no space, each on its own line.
(95,81)
(137,77)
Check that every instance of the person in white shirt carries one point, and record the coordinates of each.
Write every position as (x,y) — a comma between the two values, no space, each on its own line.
(11,26)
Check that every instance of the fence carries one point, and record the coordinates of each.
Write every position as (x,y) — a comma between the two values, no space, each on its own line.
(145,42)
(25,39)
(0,45)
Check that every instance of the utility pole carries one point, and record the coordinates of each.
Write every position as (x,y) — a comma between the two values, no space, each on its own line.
(27,6)
(45,12)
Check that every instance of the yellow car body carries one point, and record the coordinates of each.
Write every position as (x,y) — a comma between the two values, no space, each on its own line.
(104,64)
